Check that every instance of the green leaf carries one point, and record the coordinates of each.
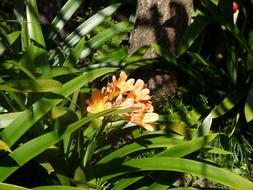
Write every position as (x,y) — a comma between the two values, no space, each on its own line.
(26,64)
(33,23)
(103,37)
(141,63)
(138,54)
(168,56)
(187,147)
(140,144)
(193,188)
(36,146)
(63,16)
(205,127)
(248,108)
(74,55)
(19,12)
(58,111)
(136,59)
(30,116)
(4,146)
(40,85)
(57,187)
(59,71)
(225,176)
(214,150)
(89,25)
(6,118)
(79,177)
(229,102)
(25,39)
(7,40)
(6,186)
(36,35)
(125,182)
(192,33)
(176,149)
(118,55)
(200,59)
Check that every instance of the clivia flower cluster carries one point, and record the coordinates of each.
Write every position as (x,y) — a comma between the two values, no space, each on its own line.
(125,93)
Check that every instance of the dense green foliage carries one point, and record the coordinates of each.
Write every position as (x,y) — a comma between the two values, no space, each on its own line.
(47,72)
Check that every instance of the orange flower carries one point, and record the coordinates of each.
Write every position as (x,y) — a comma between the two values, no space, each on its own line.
(122,83)
(120,86)
(139,92)
(126,94)
(145,120)
(98,102)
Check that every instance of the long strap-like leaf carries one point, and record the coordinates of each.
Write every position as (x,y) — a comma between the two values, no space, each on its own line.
(214,173)
(30,116)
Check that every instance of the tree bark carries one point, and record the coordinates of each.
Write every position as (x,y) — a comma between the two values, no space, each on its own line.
(162,22)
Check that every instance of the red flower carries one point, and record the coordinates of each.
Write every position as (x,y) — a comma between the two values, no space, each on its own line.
(235,6)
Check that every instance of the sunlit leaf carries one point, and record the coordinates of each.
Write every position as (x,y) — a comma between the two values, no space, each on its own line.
(103,37)
(31,85)
(4,146)
(6,118)
(89,25)
(205,127)
(248,108)
(141,144)
(37,145)
(63,16)
(33,23)
(214,150)
(197,168)
(30,116)
(58,187)
(6,186)
(229,102)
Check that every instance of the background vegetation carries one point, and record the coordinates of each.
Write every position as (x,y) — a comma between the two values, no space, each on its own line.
(50,65)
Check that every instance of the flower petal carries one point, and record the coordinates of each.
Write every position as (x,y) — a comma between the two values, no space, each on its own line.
(148,127)
(139,85)
(150,117)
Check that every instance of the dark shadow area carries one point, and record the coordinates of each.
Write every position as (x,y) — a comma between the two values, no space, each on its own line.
(161,35)
(30,175)
(179,21)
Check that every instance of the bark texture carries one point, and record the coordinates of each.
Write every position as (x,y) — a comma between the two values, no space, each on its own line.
(162,22)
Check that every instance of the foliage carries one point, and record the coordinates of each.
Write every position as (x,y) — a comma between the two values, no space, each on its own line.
(47,135)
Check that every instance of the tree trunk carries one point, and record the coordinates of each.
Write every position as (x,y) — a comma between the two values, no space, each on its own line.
(162,22)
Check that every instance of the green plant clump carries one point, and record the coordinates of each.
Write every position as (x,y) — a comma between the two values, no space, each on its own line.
(60,129)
